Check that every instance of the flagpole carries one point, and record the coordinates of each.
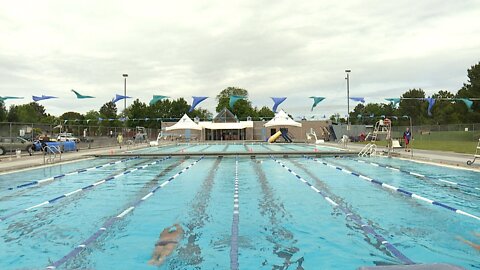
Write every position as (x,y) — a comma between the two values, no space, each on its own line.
(125,92)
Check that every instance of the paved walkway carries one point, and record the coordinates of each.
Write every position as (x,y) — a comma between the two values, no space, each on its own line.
(442,157)
(37,159)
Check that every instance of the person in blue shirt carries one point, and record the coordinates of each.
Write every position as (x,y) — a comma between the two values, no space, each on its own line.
(407,136)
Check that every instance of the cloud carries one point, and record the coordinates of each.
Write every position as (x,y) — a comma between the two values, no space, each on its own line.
(271,48)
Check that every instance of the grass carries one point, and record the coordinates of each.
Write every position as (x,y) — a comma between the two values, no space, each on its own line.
(454,141)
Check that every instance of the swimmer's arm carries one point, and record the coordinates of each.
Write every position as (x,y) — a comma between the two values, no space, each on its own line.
(475,246)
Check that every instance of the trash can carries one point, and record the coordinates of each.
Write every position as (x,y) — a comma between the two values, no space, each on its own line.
(18,153)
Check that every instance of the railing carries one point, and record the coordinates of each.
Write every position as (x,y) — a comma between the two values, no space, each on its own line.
(50,153)
(368,150)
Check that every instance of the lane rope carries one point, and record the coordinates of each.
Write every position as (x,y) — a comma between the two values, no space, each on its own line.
(354,217)
(56,177)
(236,216)
(85,188)
(116,218)
(396,189)
(416,174)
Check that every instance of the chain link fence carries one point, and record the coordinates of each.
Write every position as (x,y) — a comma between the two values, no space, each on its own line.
(20,136)
(458,132)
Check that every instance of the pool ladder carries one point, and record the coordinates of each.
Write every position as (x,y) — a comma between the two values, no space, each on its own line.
(50,154)
(368,150)
(477,154)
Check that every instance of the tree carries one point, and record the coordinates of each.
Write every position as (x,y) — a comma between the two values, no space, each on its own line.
(416,109)
(178,108)
(71,116)
(446,111)
(29,113)
(203,114)
(12,115)
(472,90)
(264,112)
(242,108)
(3,111)
(137,110)
(92,115)
(108,110)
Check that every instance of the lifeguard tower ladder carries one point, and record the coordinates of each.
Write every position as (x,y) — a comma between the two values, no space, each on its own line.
(383,126)
(477,154)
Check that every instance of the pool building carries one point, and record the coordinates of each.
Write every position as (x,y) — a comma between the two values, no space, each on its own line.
(225,126)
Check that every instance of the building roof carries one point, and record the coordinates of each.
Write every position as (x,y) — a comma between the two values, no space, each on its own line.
(282,119)
(225,116)
(239,125)
(184,123)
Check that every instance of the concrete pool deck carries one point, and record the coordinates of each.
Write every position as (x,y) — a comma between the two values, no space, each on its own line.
(439,157)
(11,163)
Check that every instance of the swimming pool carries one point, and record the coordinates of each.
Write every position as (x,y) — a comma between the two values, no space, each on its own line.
(239,212)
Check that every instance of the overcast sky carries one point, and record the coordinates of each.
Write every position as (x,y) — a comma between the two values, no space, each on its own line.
(295,49)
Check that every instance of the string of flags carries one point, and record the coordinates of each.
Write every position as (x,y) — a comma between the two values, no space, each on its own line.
(233,99)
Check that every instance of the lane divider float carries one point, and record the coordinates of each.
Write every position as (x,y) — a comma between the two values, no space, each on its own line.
(354,217)
(116,218)
(236,215)
(396,189)
(56,177)
(416,174)
(85,188)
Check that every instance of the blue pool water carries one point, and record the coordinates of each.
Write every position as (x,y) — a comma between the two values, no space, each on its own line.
(283,223)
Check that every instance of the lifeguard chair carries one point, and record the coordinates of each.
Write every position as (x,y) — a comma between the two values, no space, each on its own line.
(382,127)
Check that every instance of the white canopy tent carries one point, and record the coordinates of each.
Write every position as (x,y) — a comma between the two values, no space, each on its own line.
(184,123)
(282,119)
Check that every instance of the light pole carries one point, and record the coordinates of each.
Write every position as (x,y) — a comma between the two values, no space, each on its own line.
(348,97)
(125,92)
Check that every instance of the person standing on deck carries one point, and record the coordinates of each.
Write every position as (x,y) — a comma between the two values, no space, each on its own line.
(120,140)
(407,136)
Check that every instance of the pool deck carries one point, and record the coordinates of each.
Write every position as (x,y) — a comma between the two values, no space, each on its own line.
(439,157)
(37,160)
(11,163)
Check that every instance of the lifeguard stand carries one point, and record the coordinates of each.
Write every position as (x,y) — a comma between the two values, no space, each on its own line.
(382,127)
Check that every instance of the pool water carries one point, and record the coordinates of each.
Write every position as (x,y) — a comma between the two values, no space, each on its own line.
(283,223)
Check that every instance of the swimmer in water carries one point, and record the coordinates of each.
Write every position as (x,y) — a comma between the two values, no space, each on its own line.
(169,238)
(470,243)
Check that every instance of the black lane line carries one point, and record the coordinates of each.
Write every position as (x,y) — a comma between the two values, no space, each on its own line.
(23,228)
(190,254)
(321,185)
(27,190)
(150,184)
(456,187)
(147,186)
(282,239)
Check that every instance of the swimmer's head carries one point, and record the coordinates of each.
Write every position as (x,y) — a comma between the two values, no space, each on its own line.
(172,229)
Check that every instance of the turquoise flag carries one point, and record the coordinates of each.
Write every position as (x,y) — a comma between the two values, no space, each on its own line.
(316,100)
(395,101)
(234,99)
(467,102)
(156,98)
(7,97)
(80,96)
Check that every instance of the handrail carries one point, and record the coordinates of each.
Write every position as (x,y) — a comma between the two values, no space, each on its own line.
(52,152)
(368,150)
